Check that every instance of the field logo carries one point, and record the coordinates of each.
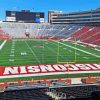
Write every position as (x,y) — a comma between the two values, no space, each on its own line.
(37,70)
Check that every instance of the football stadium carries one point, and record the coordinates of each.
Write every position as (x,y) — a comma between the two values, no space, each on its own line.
(54,60)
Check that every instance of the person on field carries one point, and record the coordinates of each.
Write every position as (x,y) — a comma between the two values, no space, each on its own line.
(27,34)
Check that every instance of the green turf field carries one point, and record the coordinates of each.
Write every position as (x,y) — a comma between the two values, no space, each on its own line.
(0,42)
(37,51)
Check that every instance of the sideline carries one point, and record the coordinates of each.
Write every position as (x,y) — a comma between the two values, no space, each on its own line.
(1,46)
(79,49)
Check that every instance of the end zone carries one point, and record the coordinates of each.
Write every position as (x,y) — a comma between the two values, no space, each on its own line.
(43,70)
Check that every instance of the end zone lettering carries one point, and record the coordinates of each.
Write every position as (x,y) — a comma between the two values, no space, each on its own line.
(21,70)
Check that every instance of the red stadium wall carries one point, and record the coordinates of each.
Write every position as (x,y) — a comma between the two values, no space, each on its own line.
(3,35)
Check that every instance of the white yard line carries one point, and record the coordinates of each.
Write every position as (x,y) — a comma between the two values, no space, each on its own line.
(1,46)
(85,46)
(97,49)
(51,49)
(86,57)
(79,49)
(32,52)
(77,54)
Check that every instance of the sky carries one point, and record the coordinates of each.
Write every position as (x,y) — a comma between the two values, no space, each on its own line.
(46,5)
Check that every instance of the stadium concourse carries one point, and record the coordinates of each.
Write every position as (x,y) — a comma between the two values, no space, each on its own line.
(47,61)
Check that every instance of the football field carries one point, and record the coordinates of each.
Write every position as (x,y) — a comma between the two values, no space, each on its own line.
(41,51)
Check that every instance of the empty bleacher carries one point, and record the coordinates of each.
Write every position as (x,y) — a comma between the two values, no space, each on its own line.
(73,92)
(17,30)
(84,33)
(31,94)
(88,34)
(3,35)
(52,93)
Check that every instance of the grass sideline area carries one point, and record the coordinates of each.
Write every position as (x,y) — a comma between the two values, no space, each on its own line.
(49,77)
(0,42)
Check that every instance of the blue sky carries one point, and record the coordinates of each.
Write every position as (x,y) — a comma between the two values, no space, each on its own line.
(45,5)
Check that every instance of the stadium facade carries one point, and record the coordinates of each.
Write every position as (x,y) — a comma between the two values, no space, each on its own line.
(25,16)
(82,17)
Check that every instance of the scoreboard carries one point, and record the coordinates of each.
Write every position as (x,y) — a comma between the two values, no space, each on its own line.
(25,16)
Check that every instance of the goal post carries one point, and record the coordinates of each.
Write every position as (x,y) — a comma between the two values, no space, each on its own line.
(66,57)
